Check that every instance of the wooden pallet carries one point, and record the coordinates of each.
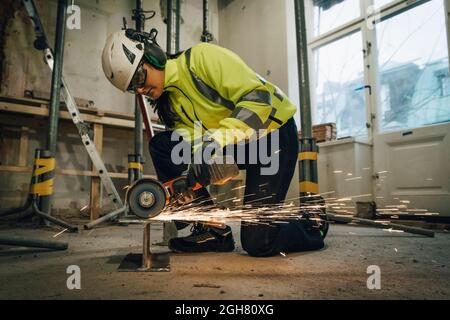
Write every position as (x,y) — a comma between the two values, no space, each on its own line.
(323,132)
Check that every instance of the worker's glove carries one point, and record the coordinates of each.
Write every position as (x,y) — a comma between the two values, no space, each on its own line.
(182,191)
(215,169)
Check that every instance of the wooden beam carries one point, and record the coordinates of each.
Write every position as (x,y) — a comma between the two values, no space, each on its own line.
(10,103)
(15,169)
(43,112)
(69,172)
(23,147)
(96,184)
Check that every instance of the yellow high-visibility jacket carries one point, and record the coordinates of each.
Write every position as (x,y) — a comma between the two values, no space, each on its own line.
(213,85)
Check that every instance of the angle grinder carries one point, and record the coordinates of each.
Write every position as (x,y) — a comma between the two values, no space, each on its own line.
(147,198)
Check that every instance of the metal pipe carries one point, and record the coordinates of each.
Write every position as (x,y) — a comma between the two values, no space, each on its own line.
(303,72)
(140,20)
(55,95)
(206,35)
(169,21)
(34,180)
(107,217)
(308,171)
(53,220)
(56,76)
(33,243)
(382,225)
(205,16)
(138,129)
(146,253)
(169,229)
(177,25)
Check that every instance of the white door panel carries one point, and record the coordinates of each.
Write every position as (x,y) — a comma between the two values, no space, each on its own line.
(414,168)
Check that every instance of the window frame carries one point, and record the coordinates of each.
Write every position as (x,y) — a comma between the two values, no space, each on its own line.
(369,44)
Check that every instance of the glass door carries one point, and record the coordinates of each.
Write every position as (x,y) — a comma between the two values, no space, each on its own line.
(411,140)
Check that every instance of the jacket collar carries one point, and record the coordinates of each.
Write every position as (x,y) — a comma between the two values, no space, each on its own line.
(171,74)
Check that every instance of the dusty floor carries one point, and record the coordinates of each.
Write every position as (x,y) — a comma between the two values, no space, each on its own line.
(411,267)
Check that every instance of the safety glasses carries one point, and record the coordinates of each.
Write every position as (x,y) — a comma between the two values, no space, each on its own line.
(138,80)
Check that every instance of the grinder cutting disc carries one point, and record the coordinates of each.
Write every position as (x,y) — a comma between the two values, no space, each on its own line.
(146,198)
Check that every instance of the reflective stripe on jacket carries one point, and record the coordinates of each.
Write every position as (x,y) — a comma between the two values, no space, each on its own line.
(213,85)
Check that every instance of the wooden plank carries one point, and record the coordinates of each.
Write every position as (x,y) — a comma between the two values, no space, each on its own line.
(15,169)
(43,112)
(96,185)
(69,172)
(7,149)
(23,147)
(43,103)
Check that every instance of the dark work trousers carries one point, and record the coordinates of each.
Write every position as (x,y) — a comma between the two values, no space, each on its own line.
(257,239)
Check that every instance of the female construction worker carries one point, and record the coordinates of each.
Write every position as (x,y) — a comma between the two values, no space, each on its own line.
(213,86)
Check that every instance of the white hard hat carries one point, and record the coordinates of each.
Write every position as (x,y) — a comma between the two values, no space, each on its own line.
(120,59)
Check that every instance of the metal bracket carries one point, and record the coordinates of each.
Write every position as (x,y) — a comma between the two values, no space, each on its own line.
(148,261)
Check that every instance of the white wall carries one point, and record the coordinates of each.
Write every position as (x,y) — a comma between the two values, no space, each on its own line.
(262,32)
(256,30)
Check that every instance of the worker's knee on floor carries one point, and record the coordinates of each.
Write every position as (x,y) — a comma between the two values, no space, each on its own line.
(259,240)
(299,235)
(266,241)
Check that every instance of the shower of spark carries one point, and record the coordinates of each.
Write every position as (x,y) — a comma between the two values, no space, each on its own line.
(251,212)
(312,207)
(60,233)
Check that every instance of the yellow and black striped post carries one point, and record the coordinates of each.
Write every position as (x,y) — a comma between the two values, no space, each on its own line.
(41,189)
(309,180)
(135,168)
(43,174)
(42,179)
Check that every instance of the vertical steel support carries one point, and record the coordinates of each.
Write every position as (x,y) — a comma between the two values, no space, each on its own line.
(177,25)
(206,35)
(308,149)
(52,136)
(169,21)
(169,229)
(173,26)
(56,76)
(138,130)
(205,16)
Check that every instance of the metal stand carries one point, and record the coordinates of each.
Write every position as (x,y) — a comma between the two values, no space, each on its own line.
(148,261)
(41,186)
(146,253)
(41,43)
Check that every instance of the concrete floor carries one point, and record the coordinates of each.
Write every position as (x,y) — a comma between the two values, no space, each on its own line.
(412,267)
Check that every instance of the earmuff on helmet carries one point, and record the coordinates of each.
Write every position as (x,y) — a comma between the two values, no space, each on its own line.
(153,53)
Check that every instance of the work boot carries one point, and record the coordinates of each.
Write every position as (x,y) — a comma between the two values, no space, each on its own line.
(204,239)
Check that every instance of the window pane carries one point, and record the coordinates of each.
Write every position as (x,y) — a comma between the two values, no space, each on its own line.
(413,68)
(330,14)
(339,87)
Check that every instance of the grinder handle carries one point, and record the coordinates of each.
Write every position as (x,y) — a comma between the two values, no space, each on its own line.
(169,185)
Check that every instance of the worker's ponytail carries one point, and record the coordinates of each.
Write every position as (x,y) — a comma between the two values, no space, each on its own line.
(165,111)
(162,106)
